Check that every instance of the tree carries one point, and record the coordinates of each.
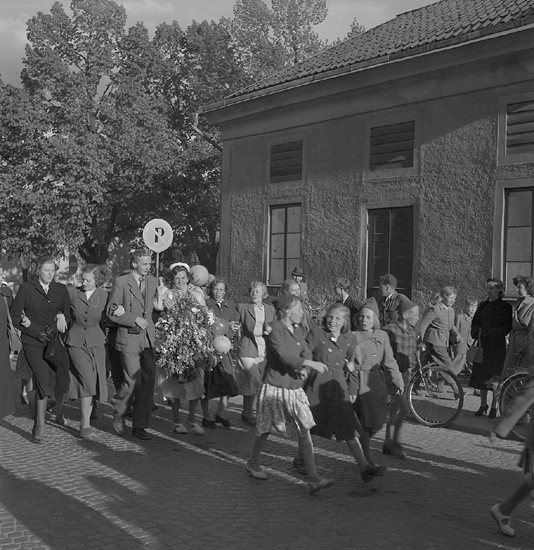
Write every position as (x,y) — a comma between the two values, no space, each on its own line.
(108,139)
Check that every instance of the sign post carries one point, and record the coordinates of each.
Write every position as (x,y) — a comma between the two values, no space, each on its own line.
(157,235)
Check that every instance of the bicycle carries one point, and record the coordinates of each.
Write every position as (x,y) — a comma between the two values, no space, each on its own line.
(435,395)
(509,389)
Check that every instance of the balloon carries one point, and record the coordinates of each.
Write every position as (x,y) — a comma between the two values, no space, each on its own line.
(199,275)
(221,344)
(220,326)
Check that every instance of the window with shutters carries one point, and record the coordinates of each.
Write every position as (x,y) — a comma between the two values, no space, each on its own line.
(518,235)
(284,241)
(286,162)
(392,148)
(516,130)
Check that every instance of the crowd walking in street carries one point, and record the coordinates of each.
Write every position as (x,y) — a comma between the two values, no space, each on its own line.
(344,377)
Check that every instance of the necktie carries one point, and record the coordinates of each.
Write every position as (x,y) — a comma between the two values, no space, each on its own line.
(142,285)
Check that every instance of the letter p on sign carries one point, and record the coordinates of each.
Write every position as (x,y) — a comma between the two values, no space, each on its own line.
(157,235)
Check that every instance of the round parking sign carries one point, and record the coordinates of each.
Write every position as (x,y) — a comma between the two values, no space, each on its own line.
(157,235)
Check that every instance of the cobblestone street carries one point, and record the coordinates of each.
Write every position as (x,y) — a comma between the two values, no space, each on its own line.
(192,492)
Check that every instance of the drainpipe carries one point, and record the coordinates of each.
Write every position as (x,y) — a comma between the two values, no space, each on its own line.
(203,134)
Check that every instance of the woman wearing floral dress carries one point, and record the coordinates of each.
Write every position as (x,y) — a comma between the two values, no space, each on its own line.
(186,301)
(367,383)
(283,407)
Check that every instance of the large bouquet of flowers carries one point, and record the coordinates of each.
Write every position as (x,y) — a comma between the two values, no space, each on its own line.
(184,340)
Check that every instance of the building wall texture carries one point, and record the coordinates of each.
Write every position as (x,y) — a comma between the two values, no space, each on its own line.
(453,189)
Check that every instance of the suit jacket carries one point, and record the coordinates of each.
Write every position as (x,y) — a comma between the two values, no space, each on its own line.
(40,308)
(247,345)
(87,316)
(126,293)
(227,311)
(388,314)
(354,305)
(437,326)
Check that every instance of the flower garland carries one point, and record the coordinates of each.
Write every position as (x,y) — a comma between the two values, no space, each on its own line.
(184,340)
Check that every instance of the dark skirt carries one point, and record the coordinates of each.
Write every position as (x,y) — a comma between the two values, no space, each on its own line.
(371,405)
(48,377)
(220,381)
(331,407)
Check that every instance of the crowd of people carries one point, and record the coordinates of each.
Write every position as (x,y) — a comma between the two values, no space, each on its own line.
(345,377)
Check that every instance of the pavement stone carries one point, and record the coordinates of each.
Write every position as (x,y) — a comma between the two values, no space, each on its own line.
(184,491)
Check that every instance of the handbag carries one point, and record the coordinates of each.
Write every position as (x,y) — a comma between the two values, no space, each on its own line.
(475,353)
(56,352)
(15,343)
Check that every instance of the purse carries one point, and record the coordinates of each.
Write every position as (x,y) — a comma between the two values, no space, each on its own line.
(15,343)
(475,353)
(56,352)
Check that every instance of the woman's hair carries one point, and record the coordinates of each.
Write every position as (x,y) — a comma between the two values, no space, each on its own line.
(214,283)
(42,260)
(448,291)
(281,312)
(527,282)
(168,278)
(471,302)
(98,271)
(286,285)
(255,284)
(376,321)
(344,311)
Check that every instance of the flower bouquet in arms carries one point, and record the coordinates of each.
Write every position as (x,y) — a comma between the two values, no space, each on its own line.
(184,340)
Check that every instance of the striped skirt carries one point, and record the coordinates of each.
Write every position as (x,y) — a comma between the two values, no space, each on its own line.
(283,411)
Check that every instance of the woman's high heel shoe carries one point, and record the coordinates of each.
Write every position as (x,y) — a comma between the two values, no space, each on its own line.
(482,411)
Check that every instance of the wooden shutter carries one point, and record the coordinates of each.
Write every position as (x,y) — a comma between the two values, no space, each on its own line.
(392,146)
(286,162)
(520,128)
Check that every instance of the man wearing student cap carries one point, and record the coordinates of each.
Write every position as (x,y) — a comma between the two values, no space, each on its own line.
(298,275)
(403,339)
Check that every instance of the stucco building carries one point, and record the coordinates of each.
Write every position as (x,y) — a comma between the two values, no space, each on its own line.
(408,149)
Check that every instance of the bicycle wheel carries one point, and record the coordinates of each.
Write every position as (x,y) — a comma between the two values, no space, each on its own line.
(509,390)
(435,396)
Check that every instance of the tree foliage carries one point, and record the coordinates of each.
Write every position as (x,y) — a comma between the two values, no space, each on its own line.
(102,136)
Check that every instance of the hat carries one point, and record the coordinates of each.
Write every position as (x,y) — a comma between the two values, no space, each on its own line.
(372,305)
(298,272)
(405,305)
(180,264)
(282,301)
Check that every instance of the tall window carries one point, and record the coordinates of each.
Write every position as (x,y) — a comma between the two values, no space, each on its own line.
(284,242)
(518,237)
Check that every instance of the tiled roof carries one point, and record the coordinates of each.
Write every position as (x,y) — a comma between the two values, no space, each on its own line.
(432,27)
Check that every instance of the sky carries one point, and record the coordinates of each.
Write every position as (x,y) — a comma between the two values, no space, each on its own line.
(15,13)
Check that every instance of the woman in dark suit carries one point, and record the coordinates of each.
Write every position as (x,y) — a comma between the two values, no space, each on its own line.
(254,318)
(46,305)
(220,382)
(86,344)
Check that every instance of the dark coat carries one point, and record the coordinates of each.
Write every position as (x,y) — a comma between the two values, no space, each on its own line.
(40,308)
(247,345)
(227,311)
(389,314)
(493,320)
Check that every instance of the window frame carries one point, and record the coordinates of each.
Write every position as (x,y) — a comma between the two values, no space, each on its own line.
(269,207)
(392,172)
(502,158)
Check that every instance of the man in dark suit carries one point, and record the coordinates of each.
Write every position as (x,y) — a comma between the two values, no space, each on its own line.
(390,300)
(130,307)
(342,290)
